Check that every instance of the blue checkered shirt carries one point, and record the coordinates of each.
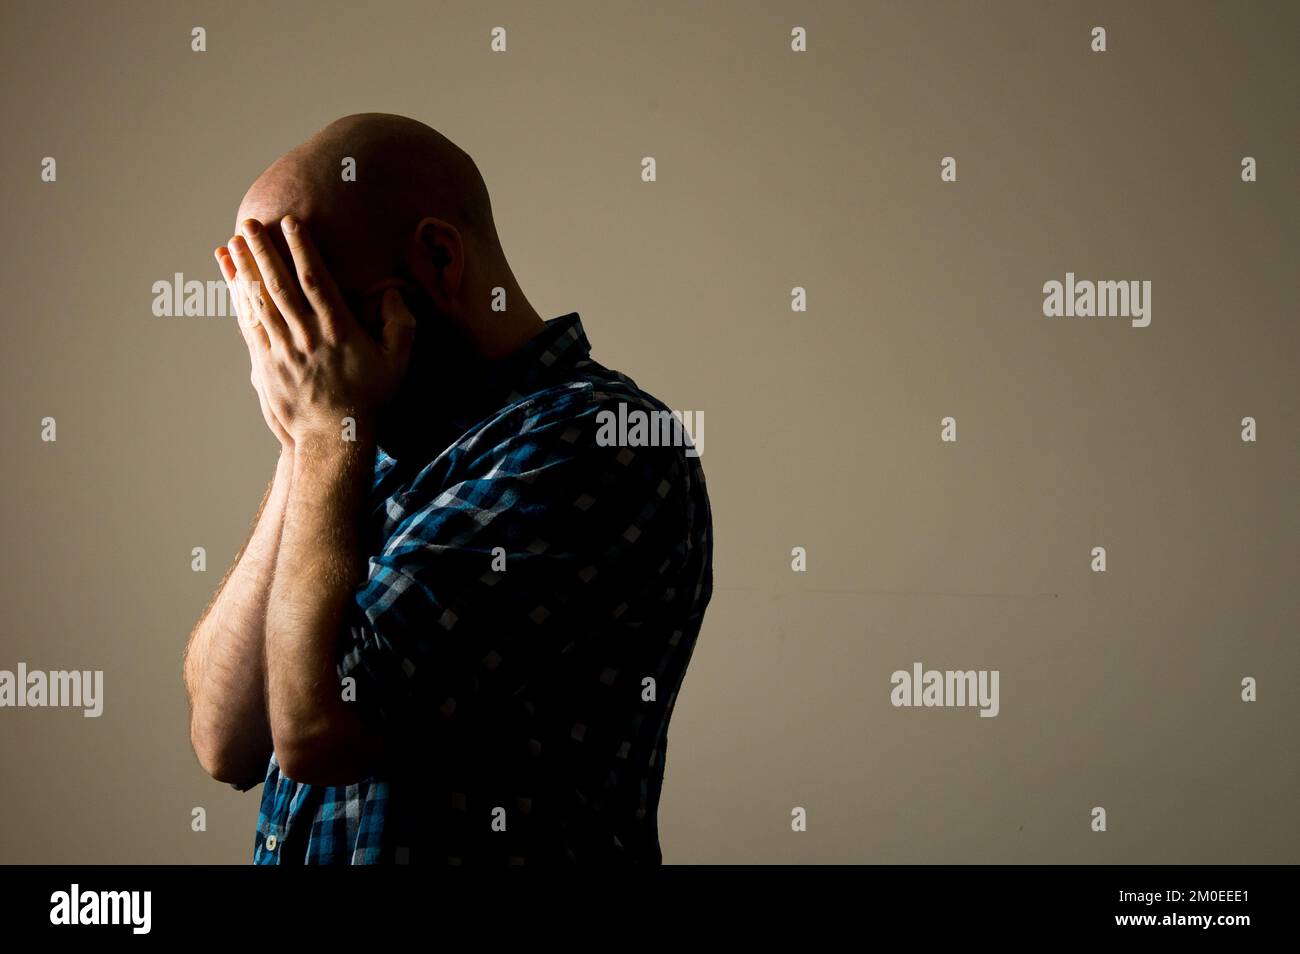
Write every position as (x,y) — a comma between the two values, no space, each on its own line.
(533,598)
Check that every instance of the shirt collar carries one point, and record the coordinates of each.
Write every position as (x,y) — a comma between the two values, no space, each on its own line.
(560,345)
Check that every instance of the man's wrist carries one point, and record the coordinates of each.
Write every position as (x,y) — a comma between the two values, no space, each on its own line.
(328,465)
(349,434)
(315,451)
(284,463)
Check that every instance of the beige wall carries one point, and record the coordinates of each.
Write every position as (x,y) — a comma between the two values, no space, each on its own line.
(775,169)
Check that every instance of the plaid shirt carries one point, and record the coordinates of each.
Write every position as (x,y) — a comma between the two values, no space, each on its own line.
(532,603)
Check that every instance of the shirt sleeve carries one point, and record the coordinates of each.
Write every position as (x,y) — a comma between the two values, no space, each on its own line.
(543,540)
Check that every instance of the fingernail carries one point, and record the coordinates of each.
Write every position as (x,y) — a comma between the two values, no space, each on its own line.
(289,223)
(252,226)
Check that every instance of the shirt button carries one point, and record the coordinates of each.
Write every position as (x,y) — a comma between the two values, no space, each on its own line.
(270,842)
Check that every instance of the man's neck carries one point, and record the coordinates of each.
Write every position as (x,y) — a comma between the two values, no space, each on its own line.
(496,335)
(425,424)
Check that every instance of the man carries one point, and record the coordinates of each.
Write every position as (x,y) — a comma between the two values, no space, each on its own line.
(458,629)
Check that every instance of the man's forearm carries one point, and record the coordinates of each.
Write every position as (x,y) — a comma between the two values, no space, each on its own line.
(318,737)
(318,366)
(225,669)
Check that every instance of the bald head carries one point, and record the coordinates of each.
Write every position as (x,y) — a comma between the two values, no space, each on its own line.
(416,217)
(405,172)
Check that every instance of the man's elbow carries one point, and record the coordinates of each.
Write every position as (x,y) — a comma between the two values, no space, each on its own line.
(225,763)
(325,755)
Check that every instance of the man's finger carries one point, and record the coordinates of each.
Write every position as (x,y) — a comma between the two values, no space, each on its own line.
(252,330)
(280,284)
(255,294)
(315,279)
(237,299)
(398,331)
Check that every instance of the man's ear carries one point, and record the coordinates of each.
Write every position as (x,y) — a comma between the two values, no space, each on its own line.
(435,256)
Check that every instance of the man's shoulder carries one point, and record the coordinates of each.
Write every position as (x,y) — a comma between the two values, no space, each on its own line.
(565,431)
(590,389)
(566,412)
